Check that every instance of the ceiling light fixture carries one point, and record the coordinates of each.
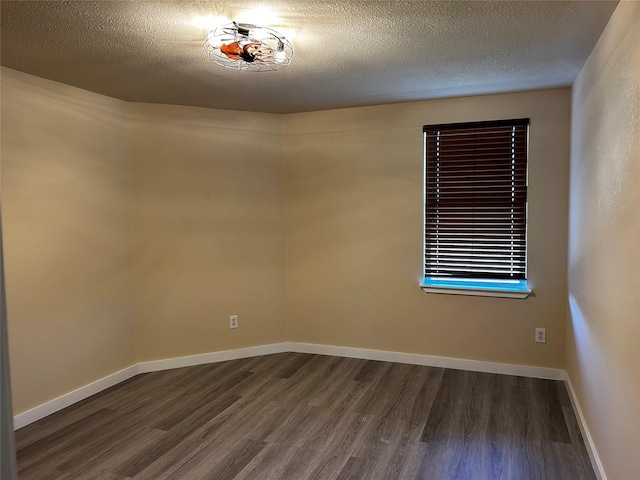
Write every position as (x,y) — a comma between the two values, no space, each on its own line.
(243,46)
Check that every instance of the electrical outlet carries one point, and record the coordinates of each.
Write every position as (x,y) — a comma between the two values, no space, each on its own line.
(233,321)
(541,335)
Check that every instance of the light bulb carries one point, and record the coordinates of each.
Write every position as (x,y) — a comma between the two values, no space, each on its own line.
(280,56)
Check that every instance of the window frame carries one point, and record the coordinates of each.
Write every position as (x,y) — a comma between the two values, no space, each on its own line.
(508,288)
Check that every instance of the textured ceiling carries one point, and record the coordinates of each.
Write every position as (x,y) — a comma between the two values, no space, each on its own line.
(347,53)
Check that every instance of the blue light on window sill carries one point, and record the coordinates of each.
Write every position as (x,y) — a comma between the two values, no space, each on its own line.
(476,286)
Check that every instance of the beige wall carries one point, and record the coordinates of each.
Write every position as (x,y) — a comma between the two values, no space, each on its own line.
(133,231)
(208,235)
(97,193)
(65,196)
(603,341)
(354,233)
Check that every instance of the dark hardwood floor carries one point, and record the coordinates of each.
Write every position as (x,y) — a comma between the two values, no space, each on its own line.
(297,416)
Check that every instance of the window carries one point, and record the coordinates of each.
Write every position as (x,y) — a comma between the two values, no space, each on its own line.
(476,208)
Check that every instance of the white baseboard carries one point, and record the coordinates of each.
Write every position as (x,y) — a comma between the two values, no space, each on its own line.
(586,434)
(430,361)
(81,393)
(63,401)
(212,357)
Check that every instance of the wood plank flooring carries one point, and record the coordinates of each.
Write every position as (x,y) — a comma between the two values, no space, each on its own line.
(297,416)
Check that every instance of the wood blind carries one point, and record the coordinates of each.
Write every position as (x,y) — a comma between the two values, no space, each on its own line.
(476,200)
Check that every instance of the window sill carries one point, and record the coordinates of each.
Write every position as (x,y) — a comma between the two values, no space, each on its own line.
(481,288)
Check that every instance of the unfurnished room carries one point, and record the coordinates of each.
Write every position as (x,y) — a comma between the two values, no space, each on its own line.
(296,240)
